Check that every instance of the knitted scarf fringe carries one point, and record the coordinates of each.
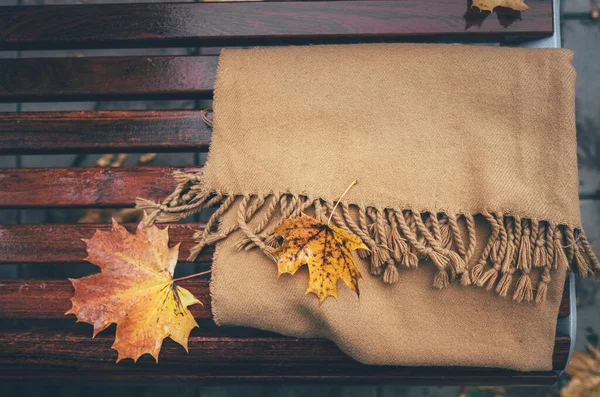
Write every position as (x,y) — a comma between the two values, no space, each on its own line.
(397,238)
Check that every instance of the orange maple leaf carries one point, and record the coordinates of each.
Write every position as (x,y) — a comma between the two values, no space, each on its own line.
(584,370)
(324,248)
(135,289)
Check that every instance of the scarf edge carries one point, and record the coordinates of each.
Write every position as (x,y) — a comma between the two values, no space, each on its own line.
(397,237)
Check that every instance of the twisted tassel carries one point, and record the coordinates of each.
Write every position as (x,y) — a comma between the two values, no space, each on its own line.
(577,259)
(497,255)
(400,249)
(356,229)
(540,254)
(434,253)
(507,269)
(524,290)
(439,281)
(542,290)
(205,238)
(477,270)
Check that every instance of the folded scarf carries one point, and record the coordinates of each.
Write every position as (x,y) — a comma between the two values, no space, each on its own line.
(466,164)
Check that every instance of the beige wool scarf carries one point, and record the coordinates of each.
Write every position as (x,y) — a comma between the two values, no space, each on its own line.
(467,196)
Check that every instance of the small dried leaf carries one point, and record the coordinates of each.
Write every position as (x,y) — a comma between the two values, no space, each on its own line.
(118,162)
(146,158)
(489,5)
(584,370)
(105,160)
(582,387)
(325,249)
(135,290)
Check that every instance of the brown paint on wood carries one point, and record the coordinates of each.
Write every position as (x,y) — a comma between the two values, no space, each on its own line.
(61,243)
(85,186)
(106,78)
(257,23)
(103,132)
(218,357)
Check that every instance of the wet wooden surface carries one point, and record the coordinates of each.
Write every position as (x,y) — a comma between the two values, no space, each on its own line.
(49,299)
(31,365)
(106,78)
(60,354)
(103,132)
(52,243)
(255,23)
(85,186)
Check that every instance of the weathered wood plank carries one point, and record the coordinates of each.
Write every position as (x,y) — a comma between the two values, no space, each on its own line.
(50,299)
(61,243)
(256,23)
(106,78)
(85,186)
(103,132)
(32,354)
(30,299)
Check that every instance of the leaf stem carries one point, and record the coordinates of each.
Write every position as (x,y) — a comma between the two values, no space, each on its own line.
(193,275)
(354,182)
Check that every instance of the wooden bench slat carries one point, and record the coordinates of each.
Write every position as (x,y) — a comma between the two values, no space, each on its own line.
(30,298)
(254,23)
(106,78)
(49,299)
(281,374)
(103,132)
(61,243)
(85,186)
(269,357)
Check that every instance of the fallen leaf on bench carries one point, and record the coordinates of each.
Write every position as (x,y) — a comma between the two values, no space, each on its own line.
(325,249)
(135,290)
(584,370)
(489,5)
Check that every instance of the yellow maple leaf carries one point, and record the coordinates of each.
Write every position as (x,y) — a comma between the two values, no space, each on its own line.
(135,290)
(584,369)
(325,249)
(489,5)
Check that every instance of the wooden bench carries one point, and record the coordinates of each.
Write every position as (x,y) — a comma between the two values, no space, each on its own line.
(46,349)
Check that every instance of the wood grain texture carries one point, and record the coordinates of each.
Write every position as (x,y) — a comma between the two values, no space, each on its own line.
(85,186)
(39,353)
(257,23)
(50,299)
(103,132)
(30,299)
(106,78)
(61,243)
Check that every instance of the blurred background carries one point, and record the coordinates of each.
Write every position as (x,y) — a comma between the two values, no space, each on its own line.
(580,33)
